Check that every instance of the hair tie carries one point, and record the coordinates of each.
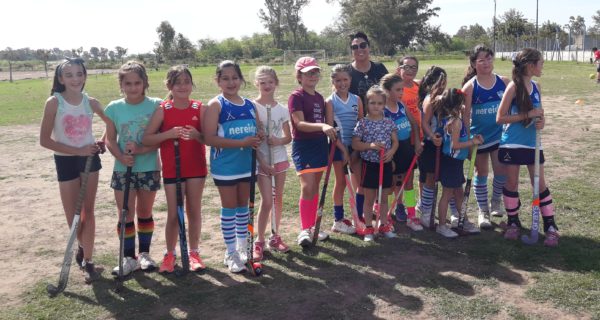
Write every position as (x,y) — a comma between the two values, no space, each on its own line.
(458,91)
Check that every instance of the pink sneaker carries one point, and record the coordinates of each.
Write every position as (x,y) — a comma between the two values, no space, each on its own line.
(276,244)
(196,263)
(257,254)
(512,232)
(551,238)
(168,263)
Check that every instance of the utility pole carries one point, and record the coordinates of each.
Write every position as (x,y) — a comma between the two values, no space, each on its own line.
(536,23)
(494,25)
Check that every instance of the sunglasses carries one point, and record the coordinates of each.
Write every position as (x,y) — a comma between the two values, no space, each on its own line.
(361,45)
(407,67)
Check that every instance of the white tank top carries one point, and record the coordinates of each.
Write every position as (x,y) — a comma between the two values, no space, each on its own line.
(73,124)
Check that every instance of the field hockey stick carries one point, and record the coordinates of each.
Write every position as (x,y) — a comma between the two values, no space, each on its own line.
(185,259)
(323,192)
(404,182)
(271,163)
(254,268)
(68,257)
(463,210)
(535,206)
(122,223)
(380,184)
(436,176)
(358,225)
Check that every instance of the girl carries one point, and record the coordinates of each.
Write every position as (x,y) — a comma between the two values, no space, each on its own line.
(483,91)
(66,129)
(406,126)
(343,109)
(520,104)
(309,145)
(454,152)
(231,131)
(432,86)
(278,136)
(408,67)
(372,134)
(129,117)
(179,117)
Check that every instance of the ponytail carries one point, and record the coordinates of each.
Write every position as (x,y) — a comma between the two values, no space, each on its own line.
(526,57)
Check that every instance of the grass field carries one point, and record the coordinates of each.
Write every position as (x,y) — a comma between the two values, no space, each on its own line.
(419,275)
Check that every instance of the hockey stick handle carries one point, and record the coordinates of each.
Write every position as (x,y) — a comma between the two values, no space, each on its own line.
(404,182)
(323,193)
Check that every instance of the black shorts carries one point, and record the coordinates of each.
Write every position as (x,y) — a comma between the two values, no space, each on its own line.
(519,156)
(174,180)
(229,183)
(488,149)
(403,156)
(338,155)
(370,175)
(71,167)
(451,172)
(427,160)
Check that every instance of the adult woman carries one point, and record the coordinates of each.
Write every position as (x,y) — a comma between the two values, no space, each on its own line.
(365,72)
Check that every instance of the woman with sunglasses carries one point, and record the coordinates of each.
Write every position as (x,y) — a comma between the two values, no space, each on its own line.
(364,74)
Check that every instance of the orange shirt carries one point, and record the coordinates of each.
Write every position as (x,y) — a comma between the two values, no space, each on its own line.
(410,98)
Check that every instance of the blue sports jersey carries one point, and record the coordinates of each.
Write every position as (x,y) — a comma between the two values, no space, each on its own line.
(345,115)
(484,107)
(447,147)
(235,122)
(433,123)
(400,119)
(516,135)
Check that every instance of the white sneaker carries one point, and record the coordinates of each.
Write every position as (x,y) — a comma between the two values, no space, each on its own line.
(322,234)
(129,266)
(484,220)
(369,237)
(242,249)
(470,227)
(425,219)
(454,221)
(497,210)
(234,263)
(414,224)
(145,261)
(343,227)
(304,238)
(446,231)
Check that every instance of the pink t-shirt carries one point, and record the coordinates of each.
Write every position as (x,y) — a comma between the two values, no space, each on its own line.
(313,109)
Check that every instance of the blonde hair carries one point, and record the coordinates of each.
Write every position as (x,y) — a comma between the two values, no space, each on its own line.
(265,71)
(375,90)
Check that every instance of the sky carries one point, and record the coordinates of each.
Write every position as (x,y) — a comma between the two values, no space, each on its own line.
(132,24)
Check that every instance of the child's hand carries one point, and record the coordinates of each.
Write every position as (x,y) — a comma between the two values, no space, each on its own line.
(477,139)
(376,145)
(418,148)
(89,150)
(131,148)
(345,157)
(536,112)
(539,124)
(388,156)
(437,140)
(329,131)
(174,133)
(189,133)
(251,141)
(101,146)
(127,159)
(273,141)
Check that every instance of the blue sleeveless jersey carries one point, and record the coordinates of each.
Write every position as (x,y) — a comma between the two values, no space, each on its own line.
(345,115)
(235,122)
(484,107)
(447,148)
(434,124)
(400,119)
(516,135)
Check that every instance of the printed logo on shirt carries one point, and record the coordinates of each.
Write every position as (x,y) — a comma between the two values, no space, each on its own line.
(195,105)
(168,106)
(194,118)
(500,94)
(536,96)
(355,108)
(230,116)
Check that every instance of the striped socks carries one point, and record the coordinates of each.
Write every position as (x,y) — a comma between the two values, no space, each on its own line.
(145,232)
(497,186)
(241,226)
(228,219)
(129,240)
(480,188)
(426,200)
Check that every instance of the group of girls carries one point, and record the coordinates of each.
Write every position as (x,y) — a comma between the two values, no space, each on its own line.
(402,119)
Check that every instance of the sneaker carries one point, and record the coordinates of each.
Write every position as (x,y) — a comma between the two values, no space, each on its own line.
(484,219)
(168,263)
(401,215)
(276,244)
(425,219)
(304,238)
(79,257)
(129,266)
(342,227)
(497,210)
(322,234)
(470,227)
(511,232)
(445,231)
(145,261)
(89,272)
(242,249)
(414,224)
(369,237)
(234,263)
(387,230)
(196,263)
(551,237)
(257,253)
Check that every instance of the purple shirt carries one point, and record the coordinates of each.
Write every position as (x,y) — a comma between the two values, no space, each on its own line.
(313,109)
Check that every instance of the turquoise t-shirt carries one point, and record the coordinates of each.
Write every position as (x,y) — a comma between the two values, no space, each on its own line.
(131,121)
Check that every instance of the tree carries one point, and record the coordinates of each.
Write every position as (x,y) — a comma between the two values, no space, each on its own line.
(9,55)
(94,53)
(472,35)
(595,29)
(120,53)
(272,19)
(282,19)
(513,26)
(166,37)
(551,30)
(44,56)
(293,21)
(184,49)
(391,24)
(576,25)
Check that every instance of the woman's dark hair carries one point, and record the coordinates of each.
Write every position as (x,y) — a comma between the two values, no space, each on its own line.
(471,71)
(56,85)
(137,68)
(433,83)
(359,34)
(527,56)
(448,104)
(174,73)
(226,64)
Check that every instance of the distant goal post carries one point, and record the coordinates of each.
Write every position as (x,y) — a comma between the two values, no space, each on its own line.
(291,56)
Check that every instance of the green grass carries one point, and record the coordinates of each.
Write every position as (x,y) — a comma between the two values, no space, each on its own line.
(418,275)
